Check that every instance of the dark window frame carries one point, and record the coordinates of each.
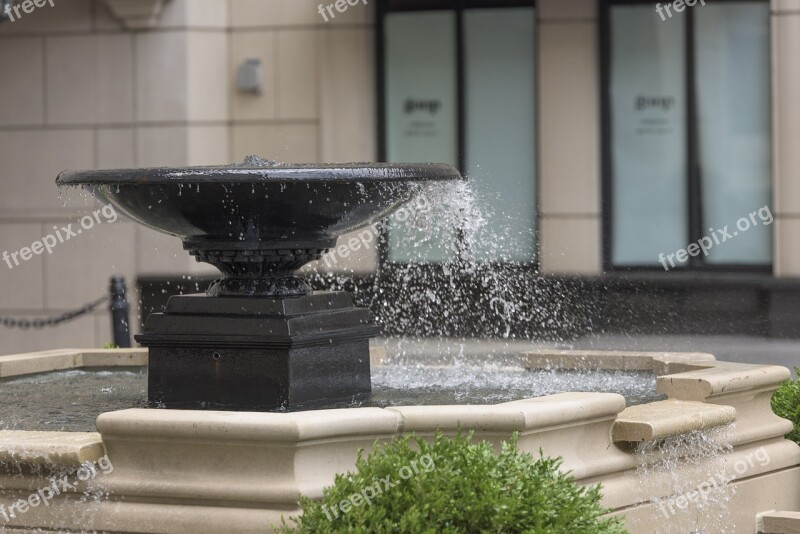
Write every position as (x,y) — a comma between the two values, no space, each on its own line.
(383,7)
(693,171)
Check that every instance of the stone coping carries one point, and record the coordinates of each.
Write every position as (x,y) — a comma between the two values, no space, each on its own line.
(778,522)
(659,363)
(196,425)
(664,419)
(313,425)
(64,359)
(59,449)
(719,379)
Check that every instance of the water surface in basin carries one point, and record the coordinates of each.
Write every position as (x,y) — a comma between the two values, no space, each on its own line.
(72,400)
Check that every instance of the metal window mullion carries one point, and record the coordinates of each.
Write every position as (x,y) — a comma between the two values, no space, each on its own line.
(461,135)
(607,171)
(694,184)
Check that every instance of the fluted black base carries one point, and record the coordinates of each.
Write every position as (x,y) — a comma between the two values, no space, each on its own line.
(258,353)
(258,269)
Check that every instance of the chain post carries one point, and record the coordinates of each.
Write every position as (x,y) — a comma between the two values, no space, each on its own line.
(119,313)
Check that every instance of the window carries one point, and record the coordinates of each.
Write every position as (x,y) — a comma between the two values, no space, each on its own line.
(459,88)
(687,132)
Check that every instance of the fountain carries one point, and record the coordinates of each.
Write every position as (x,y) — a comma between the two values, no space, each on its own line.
(260,338)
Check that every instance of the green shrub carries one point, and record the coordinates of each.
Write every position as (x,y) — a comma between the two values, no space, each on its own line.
(454,486)
(786,404)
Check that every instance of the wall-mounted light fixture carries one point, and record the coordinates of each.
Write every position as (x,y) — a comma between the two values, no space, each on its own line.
(250,76)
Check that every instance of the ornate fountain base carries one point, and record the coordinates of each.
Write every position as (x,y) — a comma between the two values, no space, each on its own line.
(263,353)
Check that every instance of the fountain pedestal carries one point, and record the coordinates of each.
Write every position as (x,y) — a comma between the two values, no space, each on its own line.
(258,352)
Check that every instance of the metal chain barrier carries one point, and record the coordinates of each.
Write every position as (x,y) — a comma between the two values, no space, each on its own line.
(24,324)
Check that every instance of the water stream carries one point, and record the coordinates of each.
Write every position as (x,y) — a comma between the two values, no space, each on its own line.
(686,478)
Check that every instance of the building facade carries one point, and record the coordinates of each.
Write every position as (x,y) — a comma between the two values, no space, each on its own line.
(613,140)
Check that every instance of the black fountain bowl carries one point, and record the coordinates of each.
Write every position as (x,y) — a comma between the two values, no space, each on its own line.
(290,205)
(259,223)
(240,215)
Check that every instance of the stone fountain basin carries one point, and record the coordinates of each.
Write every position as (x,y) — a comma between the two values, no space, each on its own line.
(201,471)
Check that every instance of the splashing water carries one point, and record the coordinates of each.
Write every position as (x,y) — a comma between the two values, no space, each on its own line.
(85,483)
(449,274)
(685,478)
(256,161)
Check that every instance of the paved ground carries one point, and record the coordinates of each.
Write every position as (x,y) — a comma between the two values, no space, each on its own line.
(730,348)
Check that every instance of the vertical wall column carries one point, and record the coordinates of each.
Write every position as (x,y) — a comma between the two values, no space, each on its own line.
(318,99)
(569,136)
(786,135)
(182,109)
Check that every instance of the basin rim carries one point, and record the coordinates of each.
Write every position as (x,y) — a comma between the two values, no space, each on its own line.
(280,173)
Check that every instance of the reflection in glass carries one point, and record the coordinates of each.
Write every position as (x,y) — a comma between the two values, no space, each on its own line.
(733,73)
(500,123)
(648,120)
